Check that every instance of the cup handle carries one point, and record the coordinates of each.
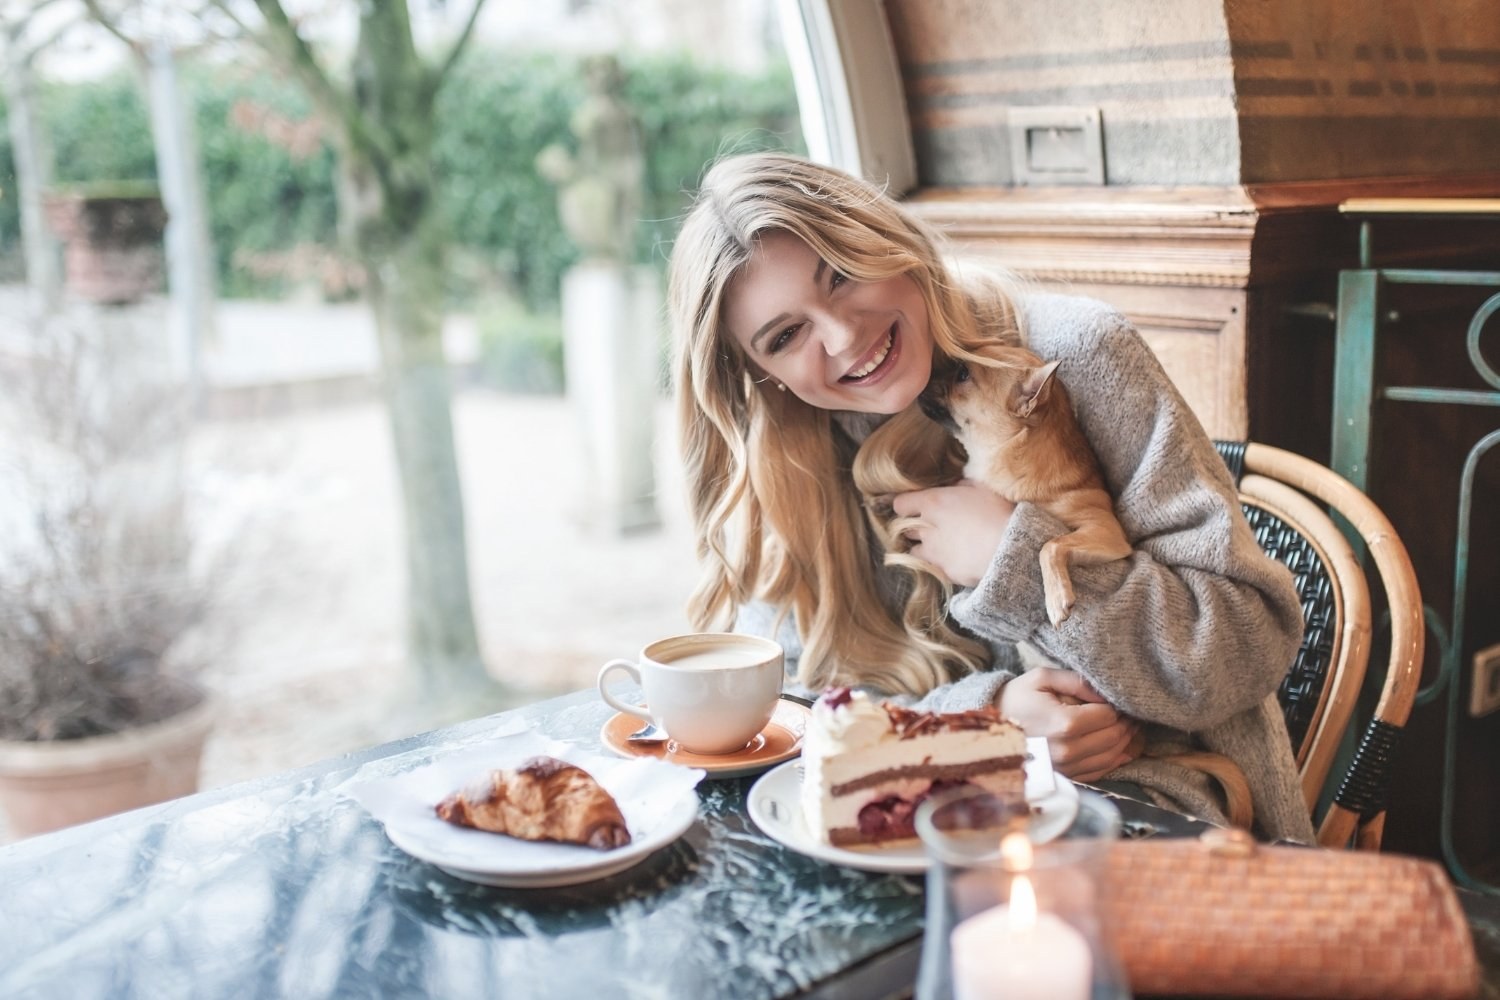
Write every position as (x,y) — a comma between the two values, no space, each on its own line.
(639,711)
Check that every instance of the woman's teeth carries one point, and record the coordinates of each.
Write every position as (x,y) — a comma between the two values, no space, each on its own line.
(874,362)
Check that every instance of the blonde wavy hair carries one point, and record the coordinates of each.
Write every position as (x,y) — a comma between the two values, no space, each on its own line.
(776,511)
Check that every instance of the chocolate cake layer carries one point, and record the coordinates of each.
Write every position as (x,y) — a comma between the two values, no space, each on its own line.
(848,836)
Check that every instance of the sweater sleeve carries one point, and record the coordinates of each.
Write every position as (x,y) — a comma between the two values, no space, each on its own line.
(1197,624)
(976,690)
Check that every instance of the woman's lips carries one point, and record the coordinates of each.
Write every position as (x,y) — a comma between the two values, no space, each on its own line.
(891,353)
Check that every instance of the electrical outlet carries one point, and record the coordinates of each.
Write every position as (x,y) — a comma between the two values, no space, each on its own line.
(1484,698)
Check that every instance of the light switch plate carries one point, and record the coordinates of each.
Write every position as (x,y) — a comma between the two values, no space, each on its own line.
(1056,146)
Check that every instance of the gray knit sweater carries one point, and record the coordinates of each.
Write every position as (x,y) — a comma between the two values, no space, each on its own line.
(1192,632)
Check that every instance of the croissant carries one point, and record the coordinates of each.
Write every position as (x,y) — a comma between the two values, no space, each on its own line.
(543,799)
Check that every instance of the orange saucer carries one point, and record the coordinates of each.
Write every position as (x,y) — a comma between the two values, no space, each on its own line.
(781,740)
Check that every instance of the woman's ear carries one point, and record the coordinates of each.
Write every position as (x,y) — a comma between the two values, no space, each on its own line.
(761,378)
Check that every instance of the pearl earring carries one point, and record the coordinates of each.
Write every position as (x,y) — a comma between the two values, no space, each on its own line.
(781,386)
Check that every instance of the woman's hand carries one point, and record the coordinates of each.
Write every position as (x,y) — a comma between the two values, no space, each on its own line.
(961,527)
(1086,737)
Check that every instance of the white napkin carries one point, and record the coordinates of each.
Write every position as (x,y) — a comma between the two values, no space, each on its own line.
(1040,781)
(646,791)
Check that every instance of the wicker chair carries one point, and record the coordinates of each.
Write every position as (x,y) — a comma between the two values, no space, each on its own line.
(1278,491)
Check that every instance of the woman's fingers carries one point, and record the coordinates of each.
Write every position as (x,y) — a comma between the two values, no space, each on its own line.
(1094,755)
(1095,768)
(1041,703)
(1094,741)
(1068,684)
(960,528)
(909,504)
(1086,737)
(1089,735)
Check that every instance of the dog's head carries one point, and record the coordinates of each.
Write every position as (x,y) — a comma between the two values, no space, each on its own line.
(988,402)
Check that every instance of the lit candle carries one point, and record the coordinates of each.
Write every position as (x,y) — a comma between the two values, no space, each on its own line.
(1015,953)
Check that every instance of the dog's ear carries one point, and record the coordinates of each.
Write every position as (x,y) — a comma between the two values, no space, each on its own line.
(1035,388)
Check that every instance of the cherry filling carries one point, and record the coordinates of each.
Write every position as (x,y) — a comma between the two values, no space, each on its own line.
(894,817)
(836,697)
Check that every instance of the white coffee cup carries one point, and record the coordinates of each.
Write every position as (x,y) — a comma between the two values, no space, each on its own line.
(713,692)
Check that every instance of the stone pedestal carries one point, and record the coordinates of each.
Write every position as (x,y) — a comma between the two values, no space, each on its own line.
(611,324)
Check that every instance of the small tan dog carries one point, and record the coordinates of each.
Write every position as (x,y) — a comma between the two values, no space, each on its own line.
(1016,423)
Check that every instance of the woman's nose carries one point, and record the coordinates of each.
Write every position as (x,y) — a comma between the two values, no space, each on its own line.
(840,334)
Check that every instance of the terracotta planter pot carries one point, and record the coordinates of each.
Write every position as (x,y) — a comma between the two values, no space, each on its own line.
(47,786)
(113,251)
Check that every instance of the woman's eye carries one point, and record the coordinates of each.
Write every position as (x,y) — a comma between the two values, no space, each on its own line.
(782,339)
(837,280)
(962,374)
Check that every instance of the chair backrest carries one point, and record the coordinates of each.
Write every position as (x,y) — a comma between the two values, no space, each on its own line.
(1284,497)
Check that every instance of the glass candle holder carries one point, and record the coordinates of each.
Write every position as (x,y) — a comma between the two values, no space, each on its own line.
(1013,909)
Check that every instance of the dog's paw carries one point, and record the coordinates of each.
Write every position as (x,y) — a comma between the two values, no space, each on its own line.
(1059,603)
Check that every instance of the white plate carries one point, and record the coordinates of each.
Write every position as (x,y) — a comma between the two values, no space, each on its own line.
(583,864)
(659,802)
(776,807)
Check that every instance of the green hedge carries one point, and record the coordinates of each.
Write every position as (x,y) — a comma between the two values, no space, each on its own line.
(500,109)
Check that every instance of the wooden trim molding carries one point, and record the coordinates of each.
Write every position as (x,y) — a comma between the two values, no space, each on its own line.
(1213,237)
(1195,237)
(1303,195)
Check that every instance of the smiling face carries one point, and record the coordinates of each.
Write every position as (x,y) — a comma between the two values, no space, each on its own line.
(837,343)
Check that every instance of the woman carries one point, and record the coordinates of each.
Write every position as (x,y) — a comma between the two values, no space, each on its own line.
(807,308)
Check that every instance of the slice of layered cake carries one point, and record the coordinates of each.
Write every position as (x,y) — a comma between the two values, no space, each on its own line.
(868,765)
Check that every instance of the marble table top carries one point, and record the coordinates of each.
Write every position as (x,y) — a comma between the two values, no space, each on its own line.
(286,887)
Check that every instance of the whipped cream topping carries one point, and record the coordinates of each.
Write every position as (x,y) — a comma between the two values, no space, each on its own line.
(848,724)
(846,720)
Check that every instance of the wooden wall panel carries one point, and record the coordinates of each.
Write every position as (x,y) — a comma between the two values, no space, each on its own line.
(1208,91)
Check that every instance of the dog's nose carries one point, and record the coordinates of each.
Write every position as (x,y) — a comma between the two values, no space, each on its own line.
(936,412)
(931,407)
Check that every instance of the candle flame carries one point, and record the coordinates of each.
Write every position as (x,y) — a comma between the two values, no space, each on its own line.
(1016,855)
(1022,905)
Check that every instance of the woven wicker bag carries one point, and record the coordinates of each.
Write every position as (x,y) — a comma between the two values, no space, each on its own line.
(1224,916)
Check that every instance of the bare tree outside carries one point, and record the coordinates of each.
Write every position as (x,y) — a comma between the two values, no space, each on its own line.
(381,115)
(31,151)
(379,111)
